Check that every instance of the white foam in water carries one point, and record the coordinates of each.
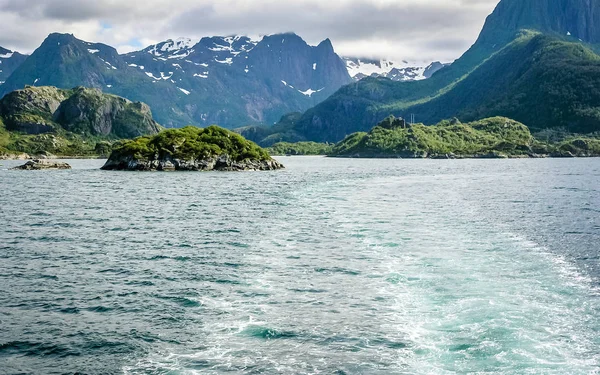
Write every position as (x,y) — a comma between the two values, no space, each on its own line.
(345,266)
(440,294)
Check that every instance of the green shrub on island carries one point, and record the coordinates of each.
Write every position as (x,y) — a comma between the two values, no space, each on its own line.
(578,146)
(300,148)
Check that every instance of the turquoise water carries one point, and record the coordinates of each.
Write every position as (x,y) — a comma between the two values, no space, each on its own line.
(329,267)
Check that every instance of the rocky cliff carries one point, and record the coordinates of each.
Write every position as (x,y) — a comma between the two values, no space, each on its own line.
(39,110)
(579,19)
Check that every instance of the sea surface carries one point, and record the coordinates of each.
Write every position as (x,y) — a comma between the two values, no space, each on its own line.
(332,266)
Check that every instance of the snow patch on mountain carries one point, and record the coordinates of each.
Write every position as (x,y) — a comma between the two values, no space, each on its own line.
(172,49)
(310,92)
(359,68)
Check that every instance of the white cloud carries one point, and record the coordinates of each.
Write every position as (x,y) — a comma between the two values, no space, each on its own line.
(417,30)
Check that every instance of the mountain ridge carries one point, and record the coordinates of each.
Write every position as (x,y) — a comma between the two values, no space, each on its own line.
(232,81)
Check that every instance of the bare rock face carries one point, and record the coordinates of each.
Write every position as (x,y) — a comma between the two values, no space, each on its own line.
(92,111)
(14,156)
(575,18)
(30,110)
(39,164)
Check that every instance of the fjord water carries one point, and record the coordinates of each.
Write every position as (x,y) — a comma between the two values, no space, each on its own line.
(331,266)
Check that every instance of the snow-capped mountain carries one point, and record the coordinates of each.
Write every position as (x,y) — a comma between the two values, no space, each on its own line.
(232,81)
(175,59)
(9,61)
(226,76)
(359,68)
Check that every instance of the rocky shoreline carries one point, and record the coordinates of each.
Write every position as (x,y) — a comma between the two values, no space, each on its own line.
(221,163)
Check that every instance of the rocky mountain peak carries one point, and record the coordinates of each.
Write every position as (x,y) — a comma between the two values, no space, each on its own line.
(576,18)
(171,48)
(326,45)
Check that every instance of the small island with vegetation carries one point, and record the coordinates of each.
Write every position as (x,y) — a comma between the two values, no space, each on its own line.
(191,149)
(496,137)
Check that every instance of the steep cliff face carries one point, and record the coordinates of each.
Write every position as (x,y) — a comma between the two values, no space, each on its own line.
(91,111)
(31,110)
(39,110)
(577,18)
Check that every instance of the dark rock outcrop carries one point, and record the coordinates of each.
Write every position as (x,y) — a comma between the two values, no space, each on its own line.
(576,18)
(39,164)
(92,111)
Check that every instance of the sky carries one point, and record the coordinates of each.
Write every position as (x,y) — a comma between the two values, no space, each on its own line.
(412,30)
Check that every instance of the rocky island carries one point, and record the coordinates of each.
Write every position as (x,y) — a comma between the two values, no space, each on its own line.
(191,149)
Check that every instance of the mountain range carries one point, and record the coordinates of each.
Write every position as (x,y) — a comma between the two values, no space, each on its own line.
(535,61)
(231,81)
